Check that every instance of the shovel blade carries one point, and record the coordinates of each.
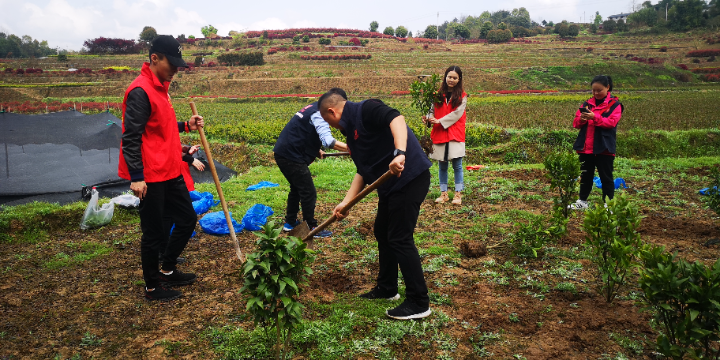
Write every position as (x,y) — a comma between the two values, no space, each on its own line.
(300,231)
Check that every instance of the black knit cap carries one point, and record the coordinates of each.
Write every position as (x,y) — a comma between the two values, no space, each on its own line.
(170,47)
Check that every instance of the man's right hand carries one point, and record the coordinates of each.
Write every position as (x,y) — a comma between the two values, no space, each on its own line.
(139,188)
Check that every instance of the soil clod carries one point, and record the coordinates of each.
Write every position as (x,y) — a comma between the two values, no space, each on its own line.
(473,249)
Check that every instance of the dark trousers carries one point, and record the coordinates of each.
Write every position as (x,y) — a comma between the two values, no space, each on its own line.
(604,165)
(168,198)
(302,191)
(395,222)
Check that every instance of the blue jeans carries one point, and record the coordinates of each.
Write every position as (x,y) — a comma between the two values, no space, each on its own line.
(458,168)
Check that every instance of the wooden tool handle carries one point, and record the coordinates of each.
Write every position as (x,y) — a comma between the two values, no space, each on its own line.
(340,153)
(350,204)
(206,147)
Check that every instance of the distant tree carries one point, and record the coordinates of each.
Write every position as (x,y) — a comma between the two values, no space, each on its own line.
(686,15)
(499,36)
(24,47)
(147,34)
(573,30)
(598,19)
(502,26)
(374,26)
(647,16)
(181,38)
(389,31)
(521,32)
(544,22)
(462,31)
(609,26)
(410,34)
(430,32)
(486,27)
(550,24)
(191,36)
(401,31)
(621,25)
(103,45)
(207,30)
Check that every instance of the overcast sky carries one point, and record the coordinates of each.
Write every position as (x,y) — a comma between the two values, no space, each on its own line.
(66,24)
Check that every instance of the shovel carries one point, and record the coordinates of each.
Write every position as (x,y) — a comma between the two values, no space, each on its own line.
(307,235)
(206,146)
(339,153)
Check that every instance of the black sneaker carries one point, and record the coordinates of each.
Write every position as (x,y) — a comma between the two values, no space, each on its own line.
(177,278)
(376,293)
(408,310)
(180,260)
(162,294)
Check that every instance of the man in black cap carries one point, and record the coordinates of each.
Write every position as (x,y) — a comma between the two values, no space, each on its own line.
(150,157)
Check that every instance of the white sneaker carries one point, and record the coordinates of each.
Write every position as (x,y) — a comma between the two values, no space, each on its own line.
(579,205)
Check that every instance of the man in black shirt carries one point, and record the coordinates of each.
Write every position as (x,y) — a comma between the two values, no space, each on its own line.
(379,140)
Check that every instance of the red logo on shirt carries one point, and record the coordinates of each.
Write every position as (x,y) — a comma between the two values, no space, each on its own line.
(356,134)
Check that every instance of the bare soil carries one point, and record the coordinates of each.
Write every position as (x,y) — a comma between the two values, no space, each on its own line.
(45,312)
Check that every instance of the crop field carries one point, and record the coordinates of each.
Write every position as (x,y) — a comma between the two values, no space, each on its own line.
(72,294)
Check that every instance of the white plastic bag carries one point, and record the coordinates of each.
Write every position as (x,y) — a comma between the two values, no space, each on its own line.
(94,216)
(126,201)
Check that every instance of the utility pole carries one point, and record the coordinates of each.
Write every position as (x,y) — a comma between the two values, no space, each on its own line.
(666,5)
(437,27)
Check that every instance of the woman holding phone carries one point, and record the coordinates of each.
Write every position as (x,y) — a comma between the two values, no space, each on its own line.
(597,120)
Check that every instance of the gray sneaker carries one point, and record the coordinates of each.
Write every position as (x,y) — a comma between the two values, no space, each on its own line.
(579,205)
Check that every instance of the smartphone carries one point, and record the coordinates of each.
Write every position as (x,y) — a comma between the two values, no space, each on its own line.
(585,110)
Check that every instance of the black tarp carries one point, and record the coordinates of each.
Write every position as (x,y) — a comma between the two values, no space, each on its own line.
(50,157)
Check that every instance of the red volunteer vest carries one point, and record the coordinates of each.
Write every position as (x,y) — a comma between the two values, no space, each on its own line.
(456,131)
(185,170)
(161,148)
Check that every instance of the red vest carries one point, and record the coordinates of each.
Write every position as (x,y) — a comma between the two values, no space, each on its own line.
(161,148)
(456,131)
(185,170)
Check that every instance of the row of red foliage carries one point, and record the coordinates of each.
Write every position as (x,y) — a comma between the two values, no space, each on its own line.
(254,96)
(706,70)
(503,92)
(312,33)
(711,77)
(683,66)
(41,107)
(274,50)
(646,61)
(336,57)
(38,71)
(428,41)
(704,53)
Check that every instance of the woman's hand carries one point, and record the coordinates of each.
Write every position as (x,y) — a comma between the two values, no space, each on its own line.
(198,165)
(432,120)
(193,149)
(587,116)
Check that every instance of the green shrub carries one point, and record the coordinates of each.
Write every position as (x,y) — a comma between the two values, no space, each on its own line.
(273,274)
(563,169)
(237,58)
(306,38)
(62,56)
(684,298)
(324,41)
(499,36)
(613,241)
(532,237)
(198,61)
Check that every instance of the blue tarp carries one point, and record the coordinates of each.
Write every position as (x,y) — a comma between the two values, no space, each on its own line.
(261,185)
(214,223)
(202,202)
(705,190)
(619,182)
(256,217)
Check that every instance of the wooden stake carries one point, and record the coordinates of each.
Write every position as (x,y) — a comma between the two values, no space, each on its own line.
(206,146)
